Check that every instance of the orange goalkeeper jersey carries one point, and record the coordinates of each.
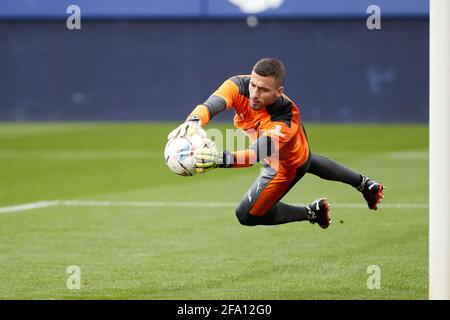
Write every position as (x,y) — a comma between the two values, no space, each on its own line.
(280,122)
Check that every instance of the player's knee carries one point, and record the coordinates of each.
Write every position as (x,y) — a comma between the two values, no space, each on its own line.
(245,217)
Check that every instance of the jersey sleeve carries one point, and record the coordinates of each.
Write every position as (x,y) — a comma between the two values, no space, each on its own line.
(229,92)
(202,112)
(259,150)
(219,101)
(244,158)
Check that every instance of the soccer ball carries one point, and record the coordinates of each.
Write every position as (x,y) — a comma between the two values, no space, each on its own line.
(180,153)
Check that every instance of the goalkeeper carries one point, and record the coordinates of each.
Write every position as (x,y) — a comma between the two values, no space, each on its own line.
(272,122)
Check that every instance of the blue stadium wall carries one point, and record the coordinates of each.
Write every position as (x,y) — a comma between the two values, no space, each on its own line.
(159,69)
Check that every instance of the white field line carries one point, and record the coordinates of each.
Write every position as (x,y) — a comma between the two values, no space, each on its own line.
(143,204)
(28,206)
(167,204)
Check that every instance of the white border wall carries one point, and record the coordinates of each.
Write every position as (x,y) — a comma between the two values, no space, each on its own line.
(439,246)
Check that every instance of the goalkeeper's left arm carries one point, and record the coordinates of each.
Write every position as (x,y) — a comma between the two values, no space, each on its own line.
(210,158)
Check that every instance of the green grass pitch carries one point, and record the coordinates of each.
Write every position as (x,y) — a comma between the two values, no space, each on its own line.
(172,251)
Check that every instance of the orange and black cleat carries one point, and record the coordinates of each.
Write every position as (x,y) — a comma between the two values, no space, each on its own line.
(372,192)
(319,212)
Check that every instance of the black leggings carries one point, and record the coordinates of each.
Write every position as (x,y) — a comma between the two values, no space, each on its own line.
(330,170)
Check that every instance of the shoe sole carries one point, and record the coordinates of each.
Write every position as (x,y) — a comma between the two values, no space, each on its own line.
(327,212)
(378,198)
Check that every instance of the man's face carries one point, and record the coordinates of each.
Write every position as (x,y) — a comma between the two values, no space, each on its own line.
(263,91)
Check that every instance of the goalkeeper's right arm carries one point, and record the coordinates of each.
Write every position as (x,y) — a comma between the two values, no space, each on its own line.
(210,158)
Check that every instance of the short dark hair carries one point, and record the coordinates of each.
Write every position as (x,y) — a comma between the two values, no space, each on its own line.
(270,67)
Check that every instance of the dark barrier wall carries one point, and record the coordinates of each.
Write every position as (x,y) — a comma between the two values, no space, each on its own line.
(338,70)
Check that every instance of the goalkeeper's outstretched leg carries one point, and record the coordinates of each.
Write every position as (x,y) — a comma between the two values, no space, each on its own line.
(328,169)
